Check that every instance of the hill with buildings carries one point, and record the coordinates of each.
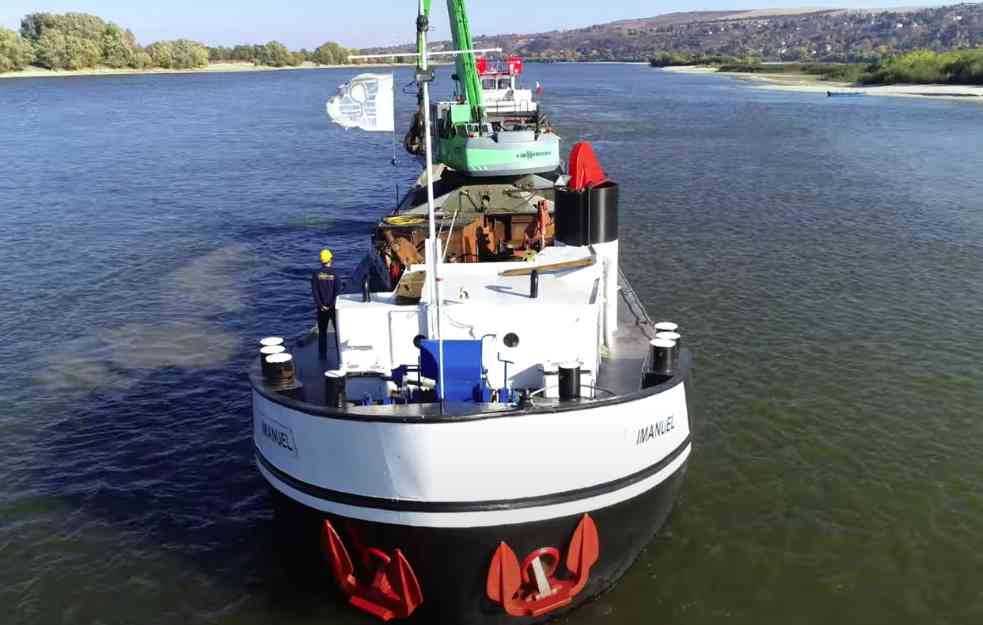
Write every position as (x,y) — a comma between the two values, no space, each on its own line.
(840,35)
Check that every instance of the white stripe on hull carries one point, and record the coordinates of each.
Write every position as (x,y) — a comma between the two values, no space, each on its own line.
(495,459)
(482,518)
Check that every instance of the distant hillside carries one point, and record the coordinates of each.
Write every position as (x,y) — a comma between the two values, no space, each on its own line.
(771,35)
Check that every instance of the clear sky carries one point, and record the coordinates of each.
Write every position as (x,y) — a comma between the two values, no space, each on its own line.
(361,23)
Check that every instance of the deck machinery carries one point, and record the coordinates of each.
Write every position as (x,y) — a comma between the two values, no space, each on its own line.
(472,137)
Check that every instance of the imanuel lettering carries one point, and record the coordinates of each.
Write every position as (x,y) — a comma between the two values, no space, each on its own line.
(277,436)
(659,428)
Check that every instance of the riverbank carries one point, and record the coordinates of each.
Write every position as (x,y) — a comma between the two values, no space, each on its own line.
(40,72)
(814,84)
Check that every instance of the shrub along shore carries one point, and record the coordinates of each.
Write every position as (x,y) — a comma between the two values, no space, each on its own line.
(82,43)
(921,67)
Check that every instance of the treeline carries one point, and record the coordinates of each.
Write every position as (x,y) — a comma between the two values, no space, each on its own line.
(276,54)
(840,72)
(675,58)
(960,67)
(75,41)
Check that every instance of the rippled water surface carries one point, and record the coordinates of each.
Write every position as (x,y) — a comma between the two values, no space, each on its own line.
(824,258)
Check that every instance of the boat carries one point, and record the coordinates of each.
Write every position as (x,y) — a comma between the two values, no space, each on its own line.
(501,428)
(844,94)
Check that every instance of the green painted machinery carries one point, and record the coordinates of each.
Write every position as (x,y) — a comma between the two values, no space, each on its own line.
(468,138)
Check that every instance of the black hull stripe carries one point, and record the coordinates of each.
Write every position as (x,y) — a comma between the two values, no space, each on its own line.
(401,505)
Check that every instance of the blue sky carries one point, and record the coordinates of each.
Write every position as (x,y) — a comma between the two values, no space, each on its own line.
(357,23)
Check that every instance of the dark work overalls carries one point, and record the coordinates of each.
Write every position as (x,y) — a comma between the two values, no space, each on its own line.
(324,284)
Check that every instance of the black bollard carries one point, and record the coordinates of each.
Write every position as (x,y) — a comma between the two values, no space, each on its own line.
(661,356)
(336,389)
(569,385)
(534,284)
(678,340)
(269,350)
(366,290)
(280,370)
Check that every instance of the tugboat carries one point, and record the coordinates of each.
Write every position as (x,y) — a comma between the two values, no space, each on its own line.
(501,428)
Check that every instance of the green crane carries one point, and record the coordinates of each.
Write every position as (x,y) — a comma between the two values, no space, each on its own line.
(467,140)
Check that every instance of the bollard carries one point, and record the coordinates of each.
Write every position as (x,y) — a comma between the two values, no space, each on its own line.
(336,389)
(661,356)
(280,370)
(569,381)
(666,326)
(269,350)
(678,340)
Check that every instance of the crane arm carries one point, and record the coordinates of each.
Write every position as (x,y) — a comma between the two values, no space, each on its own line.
(467,71)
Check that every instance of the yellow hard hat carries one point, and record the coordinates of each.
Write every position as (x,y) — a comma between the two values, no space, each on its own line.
(326,256)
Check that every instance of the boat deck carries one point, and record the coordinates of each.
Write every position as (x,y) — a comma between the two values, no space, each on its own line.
(621,371)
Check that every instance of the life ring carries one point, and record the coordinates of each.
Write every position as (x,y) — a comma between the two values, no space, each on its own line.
(404,220)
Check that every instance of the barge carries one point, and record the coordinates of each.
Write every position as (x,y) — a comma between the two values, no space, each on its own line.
(499,427)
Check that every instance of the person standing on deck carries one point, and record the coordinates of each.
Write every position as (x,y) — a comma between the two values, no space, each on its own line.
(324,285)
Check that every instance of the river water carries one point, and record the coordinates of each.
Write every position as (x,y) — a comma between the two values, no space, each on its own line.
(823,256)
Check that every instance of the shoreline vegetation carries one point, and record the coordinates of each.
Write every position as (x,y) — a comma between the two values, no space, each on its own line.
(813,83)
(76,44)
(955,74)
(211,68)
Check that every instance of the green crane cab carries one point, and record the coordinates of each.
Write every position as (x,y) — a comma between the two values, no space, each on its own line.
(502,135)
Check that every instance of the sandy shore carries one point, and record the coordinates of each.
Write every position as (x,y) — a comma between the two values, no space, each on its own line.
(813,84)
(39,72)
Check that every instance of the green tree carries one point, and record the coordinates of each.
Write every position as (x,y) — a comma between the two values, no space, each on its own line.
(34,25)
(15,52)
(274,54)
(244,53)
(141,60)
(161,54)
(189,54)
(219,54)
(117,48)
(330,53)
(59,50)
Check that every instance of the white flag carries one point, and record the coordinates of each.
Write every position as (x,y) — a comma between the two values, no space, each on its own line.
(365,102)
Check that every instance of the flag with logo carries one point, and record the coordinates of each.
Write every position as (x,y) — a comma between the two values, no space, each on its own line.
(365,102)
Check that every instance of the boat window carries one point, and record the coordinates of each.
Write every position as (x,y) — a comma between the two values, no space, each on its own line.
(504,83)
(488,83)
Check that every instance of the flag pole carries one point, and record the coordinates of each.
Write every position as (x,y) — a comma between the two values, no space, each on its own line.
(433,252)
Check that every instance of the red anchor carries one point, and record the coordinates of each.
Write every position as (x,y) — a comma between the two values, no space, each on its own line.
(525,594)
(394,592)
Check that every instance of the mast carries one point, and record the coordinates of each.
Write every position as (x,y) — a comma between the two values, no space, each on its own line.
(433,251)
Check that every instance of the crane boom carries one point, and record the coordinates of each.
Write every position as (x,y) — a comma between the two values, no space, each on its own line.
(467,70)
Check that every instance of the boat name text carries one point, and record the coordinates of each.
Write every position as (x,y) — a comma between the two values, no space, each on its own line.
(657,429)
(280,435)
